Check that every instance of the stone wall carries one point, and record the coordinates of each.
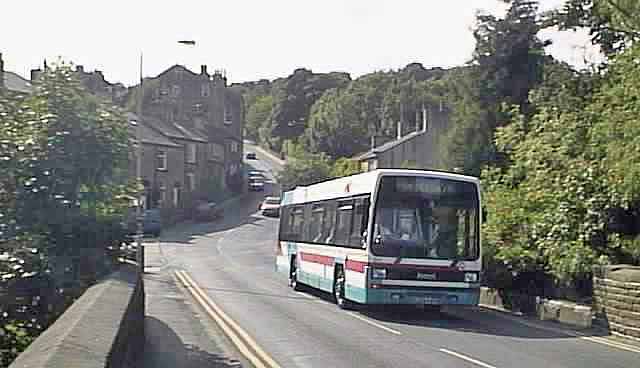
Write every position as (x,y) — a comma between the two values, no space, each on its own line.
(103,328)
(617,298)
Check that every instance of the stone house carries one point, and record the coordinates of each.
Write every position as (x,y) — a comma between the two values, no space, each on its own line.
(190,127)
(200,115)
(417,149)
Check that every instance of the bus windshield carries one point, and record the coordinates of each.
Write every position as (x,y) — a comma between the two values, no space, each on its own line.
(420,217)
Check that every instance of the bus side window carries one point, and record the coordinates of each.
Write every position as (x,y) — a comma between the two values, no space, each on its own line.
(329,223)
(344,217)
(360,222)
(298,223)
(316,224)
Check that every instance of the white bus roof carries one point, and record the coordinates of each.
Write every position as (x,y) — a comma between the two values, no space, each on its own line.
(358,184)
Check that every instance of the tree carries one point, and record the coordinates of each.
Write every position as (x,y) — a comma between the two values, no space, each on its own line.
(508,62)
(258,116)
(303,168)
(612,24)
(344,167)
(334,126)
(292,100)
(63,192)
(572,164)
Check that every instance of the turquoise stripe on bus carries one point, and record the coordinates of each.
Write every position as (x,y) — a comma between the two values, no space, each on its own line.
(356,294)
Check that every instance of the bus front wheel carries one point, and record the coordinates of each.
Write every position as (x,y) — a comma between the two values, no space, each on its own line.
(339,288)
(293,276)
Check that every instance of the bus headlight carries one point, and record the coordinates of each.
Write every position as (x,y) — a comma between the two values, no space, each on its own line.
(470,277)
(378,273)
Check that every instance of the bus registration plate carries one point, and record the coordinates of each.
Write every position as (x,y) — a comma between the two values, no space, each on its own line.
(432,299)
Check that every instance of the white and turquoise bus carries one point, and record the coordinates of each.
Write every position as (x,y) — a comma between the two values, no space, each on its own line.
(387,236)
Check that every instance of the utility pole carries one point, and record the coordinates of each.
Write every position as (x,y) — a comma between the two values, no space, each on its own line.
(139,210)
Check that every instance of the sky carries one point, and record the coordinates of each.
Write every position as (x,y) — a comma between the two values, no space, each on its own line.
(252,39)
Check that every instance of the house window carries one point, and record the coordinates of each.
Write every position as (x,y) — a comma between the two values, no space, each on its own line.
(175,91)
(162,191)
(216,151)
(191,181)
(176,195)
(228,115)
(234,146)
(205,90)
(161,160)
(191,153)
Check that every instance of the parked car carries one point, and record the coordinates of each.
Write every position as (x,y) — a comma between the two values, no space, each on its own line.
(207,211)
(251,156)
(256,173)
(270,206)
(151,223)
(256,184)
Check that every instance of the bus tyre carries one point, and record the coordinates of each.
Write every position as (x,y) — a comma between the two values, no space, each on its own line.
(293,276)
(338,289)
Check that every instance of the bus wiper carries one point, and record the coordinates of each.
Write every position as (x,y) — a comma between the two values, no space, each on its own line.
(400,256)
(456,260)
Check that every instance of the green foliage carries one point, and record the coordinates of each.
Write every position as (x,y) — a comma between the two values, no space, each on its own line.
(344,167)
(571,162)
(303,168)
(292,101)
(257,116)
(613,24)
(63,193)
(508,63)
(13,340)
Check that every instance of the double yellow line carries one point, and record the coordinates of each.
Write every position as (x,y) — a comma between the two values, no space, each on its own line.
(240,338)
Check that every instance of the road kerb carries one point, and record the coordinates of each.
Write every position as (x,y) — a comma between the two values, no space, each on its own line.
(245,344)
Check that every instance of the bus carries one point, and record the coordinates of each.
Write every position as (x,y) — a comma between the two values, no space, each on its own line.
(388,236)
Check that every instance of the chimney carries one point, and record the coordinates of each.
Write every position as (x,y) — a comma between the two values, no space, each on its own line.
(399,129)
(79,69)
(203,70)
(1,72)
(35,74)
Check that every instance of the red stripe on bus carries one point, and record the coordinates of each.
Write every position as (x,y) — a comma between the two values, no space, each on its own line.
(316,258)
(355,266)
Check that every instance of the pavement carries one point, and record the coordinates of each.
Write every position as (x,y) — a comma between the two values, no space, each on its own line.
(232,264)
(176,333)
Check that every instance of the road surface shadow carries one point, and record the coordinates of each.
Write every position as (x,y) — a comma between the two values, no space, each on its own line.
(164,348)
(463,319)
(472,320)
(244,213)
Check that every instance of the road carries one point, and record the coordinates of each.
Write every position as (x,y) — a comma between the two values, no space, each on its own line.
(233,262)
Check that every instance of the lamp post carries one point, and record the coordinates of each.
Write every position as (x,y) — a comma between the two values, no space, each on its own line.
(141,195)
(139,203)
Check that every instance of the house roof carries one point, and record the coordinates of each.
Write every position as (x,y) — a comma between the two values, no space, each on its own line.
(176,67)
(174,130)
(389,145)
(14,82)
(148,134)
(192,134)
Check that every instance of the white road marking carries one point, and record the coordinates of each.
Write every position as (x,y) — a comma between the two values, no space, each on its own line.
(375,324)
(468,359)
(579,335)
